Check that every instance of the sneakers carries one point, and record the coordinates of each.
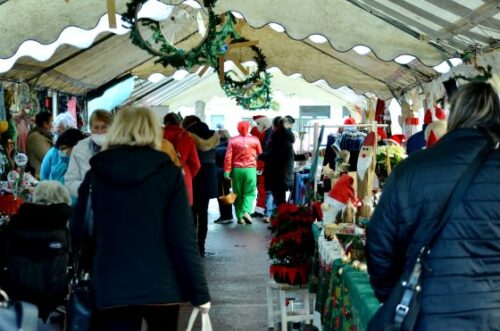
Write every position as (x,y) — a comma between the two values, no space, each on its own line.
(223,221)
(266,219)
(241,221)
(247,218)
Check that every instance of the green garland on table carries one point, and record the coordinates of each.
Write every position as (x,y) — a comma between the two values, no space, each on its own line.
(205,53)
(255,91)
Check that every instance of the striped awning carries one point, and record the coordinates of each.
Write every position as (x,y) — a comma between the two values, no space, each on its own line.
(432,31)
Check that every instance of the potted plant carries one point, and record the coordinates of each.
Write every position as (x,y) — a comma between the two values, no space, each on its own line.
(292,248)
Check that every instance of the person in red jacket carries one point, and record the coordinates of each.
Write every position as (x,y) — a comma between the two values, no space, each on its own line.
(185,147)
(240,164)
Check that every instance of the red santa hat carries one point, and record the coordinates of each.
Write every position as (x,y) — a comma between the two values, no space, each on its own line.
(369,140)
(381,133)
(435,114)
(434,132)
(343,190)
(349,121)
(398,139)
(262,120)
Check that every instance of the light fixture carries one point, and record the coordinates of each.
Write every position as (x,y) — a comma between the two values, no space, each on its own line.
(276,27)
(442,68)
(180,74)
(361,50)
(404,59)
(156,77)
(317,39)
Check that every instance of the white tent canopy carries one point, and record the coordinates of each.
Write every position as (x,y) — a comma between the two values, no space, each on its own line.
(432,31)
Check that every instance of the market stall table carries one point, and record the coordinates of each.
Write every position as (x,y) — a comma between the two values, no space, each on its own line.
(344,297)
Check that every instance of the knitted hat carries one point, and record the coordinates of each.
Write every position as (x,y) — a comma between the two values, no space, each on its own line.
(343,190)
(435,114)
(257,117)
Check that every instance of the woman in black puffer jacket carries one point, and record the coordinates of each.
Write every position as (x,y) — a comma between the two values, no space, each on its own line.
(460,288)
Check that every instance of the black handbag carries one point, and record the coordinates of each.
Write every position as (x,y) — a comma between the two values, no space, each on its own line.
(400,311)
(17,315)
(81,305)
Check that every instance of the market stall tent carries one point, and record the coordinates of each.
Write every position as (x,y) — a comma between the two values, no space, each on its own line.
(428,31)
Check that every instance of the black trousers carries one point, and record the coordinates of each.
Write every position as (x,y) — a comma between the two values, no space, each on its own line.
(129,318)
(279,197)
(200,219)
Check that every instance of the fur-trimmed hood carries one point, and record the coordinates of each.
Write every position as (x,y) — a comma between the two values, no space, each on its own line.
(206,144)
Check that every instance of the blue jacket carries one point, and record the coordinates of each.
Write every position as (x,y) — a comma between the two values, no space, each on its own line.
(460,289)
(54,166)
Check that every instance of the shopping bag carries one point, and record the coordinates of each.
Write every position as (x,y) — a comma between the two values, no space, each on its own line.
(17,315)
(206,325)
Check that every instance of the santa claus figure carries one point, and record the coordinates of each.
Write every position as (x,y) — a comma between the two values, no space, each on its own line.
(261,130)
(434,132)
(366,171)
(366,156)
(339,196)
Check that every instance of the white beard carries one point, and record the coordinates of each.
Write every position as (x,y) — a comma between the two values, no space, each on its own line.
(363,164)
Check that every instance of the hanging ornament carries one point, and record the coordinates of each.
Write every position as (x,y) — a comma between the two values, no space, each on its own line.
(164,30)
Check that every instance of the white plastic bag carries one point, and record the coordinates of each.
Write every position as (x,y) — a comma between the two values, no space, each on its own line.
(206,325)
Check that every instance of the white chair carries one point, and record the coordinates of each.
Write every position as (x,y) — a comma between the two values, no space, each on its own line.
(285,291)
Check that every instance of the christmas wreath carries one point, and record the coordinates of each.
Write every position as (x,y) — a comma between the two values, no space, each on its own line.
(254,92)
(206,52)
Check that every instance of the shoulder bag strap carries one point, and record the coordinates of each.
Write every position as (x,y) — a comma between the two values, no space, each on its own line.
(454,199)
(432,233)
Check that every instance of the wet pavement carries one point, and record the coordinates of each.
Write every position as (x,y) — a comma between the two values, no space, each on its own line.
(236,267)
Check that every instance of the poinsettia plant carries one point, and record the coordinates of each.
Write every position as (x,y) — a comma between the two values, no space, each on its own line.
(293,243)
(388,157)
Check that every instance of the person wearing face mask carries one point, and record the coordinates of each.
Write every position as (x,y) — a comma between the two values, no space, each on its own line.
(55,163)
(100,121)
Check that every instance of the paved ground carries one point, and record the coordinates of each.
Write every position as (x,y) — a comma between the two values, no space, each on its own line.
(237,273)
(237,270)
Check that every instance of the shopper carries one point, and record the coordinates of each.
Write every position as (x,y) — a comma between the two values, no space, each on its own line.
(146,261)
(240,165)
(278,168)
(262,130)
(55,163)
(225,210)
(461,273)
(185,148)
(35,245)
(270,206)
(205,182)
(39,141)
(78,166)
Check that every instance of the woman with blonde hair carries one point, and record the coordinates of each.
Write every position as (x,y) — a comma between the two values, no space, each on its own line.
(460,275)
(146,259)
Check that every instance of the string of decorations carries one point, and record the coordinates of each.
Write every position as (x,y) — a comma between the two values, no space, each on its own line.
(251,93)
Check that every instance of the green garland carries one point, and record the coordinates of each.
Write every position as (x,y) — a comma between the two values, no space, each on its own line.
(257,83)
(205,53)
